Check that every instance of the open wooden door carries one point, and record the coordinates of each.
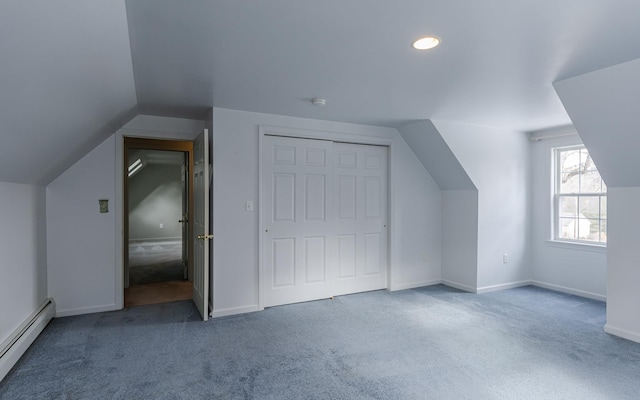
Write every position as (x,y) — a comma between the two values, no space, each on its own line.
(201,224)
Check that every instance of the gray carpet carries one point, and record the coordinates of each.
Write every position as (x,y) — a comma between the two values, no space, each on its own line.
(427,343)
(154,261)
(161,272)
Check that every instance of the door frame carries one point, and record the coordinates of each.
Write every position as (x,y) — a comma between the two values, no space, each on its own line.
(266,130)
(154,144)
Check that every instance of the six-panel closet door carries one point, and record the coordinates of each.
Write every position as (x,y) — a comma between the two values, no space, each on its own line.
(324,208)
(360,201)
(297,192)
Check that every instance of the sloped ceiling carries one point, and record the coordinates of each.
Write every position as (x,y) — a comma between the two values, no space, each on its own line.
(436,156)
(605,108)
(68,66)
(66,81)
(495,66)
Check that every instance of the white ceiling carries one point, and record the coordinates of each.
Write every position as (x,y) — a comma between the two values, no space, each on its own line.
(495,66)
(72,71)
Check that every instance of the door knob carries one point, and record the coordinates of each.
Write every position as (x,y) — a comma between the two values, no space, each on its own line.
(183,220)
(204,237)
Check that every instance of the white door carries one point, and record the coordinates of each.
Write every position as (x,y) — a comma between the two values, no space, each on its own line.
(297,208)
(201,224)
(360,196)
(325,219)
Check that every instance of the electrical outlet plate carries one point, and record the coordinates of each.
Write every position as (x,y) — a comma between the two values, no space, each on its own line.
(104,206)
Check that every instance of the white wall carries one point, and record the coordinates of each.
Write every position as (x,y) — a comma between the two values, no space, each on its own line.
(460,239)
(23,276)
(84,247)
(603,106)
(155,197)
(571,268)
(623,278)
(81,240)
(416,207)
(497,161)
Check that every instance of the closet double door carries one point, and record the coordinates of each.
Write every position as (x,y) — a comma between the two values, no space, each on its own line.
(324,208)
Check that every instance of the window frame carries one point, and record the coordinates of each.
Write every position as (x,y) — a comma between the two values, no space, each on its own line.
(557,195)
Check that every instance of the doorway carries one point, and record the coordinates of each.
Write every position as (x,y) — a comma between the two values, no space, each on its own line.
(158,200)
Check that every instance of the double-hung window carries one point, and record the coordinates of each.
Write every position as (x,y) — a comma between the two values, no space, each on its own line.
(580,198)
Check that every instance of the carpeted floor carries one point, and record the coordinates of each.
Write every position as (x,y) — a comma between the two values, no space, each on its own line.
(426,343)
(155,261)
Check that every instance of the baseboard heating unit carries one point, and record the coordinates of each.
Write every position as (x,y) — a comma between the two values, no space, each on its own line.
(19,341)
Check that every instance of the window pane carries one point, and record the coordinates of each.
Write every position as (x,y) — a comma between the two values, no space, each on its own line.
(568,228)
(589,207)
(570,160)
(586,161)
(589,229)
(570,182)
(568,207)
(603,230)
(590,182)
(581,197)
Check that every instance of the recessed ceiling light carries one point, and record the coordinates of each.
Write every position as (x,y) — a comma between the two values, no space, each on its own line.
(426,43)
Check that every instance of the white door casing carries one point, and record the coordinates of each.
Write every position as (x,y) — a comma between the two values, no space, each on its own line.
(201,224)
(324,219)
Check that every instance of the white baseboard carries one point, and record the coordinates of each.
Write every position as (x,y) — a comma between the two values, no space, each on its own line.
(623,333)
(19,341)
(234,311)
(503,286)
(414,285)
(568,290)
(85,310)
(459,286)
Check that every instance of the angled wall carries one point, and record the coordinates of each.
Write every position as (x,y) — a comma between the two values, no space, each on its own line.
(603,106)
(497,162)
(459,204)
(605,109)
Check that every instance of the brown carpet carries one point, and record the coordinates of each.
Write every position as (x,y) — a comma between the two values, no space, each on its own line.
(155,293)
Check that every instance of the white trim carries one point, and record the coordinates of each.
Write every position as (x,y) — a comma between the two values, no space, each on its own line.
(19,341)
(502,286)
(405,286)
(264,130)
(234,311)
(580,246)
(564,289)
(261,134)
(623,333)
(324,135)
(85,310)
(459,286)
(118,295)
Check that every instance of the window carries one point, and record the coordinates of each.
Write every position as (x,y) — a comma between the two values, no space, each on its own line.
(580,198)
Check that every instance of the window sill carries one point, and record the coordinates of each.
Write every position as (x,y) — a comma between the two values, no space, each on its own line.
(597,248)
